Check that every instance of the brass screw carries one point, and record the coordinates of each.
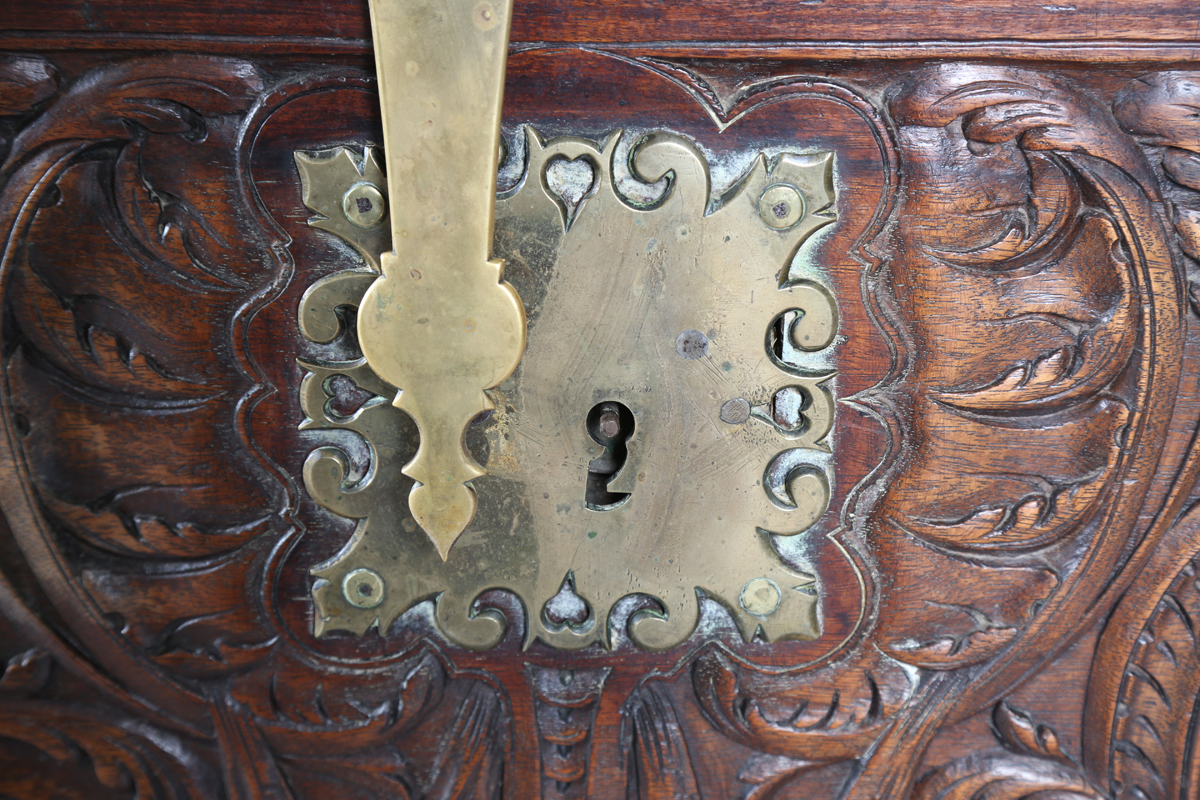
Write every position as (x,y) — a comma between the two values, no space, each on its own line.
(736,411)
(363,205)
(363,588)
(781,206)
(761,596)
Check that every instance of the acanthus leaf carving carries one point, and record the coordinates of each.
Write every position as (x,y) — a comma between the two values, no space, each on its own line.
(126,757)
(95,335)
(340,714)
(827,715)
(1055,405)
(659,759)
(153,613)
(26,673)
(1027,223)
(1159,109)
(1033,765)
(27,81)
(769,774)
(164,95)
(1151,750)
(127,414)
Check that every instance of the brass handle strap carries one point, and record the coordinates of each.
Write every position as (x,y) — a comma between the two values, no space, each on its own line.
(439,323)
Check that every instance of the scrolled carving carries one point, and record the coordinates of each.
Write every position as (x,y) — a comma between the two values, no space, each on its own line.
(96,338)
(90,747)
(1159,109)
(154,520)
(1056,295)
(1140,716)
(829,715)
(117,401)
(1030,285)
(27,81)
(1022,262)
(1151,750)
(122,760)
(1038,270)
(1032,766)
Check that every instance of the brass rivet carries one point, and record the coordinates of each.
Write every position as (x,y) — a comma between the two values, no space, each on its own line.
(485,16)
(781,206)
(691,344)
(761,596)
(363,205)
(736,411)
(363,588)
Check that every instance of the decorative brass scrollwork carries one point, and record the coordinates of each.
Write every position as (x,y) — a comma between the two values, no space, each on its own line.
(673,406)
(659,427)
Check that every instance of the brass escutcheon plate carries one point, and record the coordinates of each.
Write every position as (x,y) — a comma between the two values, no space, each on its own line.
(669,418)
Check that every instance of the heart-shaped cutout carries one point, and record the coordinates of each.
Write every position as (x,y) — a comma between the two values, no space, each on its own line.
(572,181)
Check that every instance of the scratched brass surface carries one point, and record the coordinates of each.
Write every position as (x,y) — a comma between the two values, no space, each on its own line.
(439,324)
(665,308)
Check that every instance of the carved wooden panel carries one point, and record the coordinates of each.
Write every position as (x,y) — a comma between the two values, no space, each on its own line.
(1007,572)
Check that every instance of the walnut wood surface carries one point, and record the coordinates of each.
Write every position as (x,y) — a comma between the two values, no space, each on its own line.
(1009,573)
(587,21)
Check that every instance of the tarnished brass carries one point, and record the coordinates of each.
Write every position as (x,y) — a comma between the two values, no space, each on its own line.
(655,436)
(326,180)
(439,324)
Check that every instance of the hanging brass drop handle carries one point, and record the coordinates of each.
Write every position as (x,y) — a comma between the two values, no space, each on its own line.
(439,324)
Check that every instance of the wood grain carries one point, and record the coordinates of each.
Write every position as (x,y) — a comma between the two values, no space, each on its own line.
(588,21)
(1008,578)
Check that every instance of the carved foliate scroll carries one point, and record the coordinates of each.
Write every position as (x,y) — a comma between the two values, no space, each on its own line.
(1026,253)
(1027,263)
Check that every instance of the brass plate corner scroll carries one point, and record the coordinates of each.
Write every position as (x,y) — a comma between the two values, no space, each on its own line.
(655,433)
(658,429)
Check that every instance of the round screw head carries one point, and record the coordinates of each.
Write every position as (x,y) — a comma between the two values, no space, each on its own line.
(781,206)
(761,596)
(363,205)
(736,411)
(691,344)
(363,588)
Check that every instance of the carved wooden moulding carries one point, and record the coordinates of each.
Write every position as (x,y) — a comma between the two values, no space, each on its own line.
(854,421)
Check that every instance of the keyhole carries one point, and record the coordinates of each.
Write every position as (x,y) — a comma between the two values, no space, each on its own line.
(610,424)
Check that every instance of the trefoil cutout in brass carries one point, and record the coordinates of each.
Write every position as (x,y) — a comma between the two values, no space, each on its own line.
(653,437)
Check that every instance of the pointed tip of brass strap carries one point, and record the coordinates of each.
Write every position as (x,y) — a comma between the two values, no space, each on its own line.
(443,511)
